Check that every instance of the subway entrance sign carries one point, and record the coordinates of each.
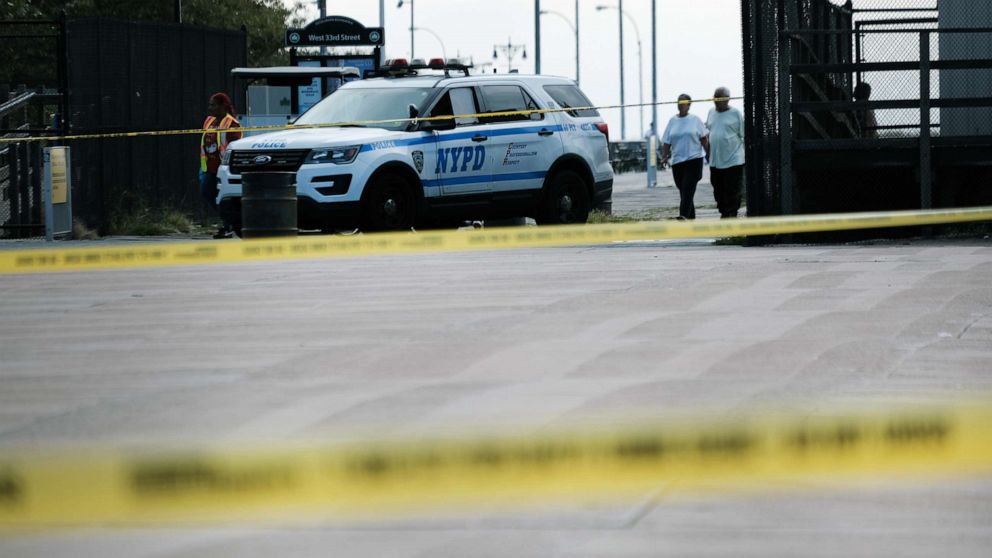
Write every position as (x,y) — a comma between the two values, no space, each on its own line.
(331,31)
(335,31)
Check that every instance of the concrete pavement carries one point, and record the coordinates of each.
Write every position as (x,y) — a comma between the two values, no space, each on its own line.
(519,342)
(632,197)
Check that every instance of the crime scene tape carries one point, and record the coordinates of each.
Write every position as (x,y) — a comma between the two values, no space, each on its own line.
(275,128)
(106,487)
(157,254)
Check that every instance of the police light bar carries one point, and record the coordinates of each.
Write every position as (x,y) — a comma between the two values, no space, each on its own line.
(396,64)
(436,64)
(418,64)
(457,64)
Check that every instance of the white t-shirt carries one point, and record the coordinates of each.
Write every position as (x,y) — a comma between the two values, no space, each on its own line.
(685,135)
(726,138)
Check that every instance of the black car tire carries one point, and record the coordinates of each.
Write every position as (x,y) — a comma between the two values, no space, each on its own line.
(566,201)
(389,204)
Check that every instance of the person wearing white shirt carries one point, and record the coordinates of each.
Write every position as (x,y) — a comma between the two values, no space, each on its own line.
(726,153)
(685,144)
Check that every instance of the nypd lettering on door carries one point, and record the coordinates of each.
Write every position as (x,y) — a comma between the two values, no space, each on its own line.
(460,159)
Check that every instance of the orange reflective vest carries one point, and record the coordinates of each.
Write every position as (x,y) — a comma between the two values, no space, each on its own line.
(222,142)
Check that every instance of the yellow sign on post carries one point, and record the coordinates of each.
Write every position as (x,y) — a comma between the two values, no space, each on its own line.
(57,192)
(60,182)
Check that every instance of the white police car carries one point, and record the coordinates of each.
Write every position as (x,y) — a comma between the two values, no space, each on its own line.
(553,167)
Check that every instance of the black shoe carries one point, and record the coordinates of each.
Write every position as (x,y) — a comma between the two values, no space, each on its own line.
(223,233)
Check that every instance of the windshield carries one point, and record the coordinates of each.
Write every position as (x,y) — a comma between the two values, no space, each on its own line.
(349,105)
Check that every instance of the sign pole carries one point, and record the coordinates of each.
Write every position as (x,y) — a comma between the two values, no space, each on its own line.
(46,194)
(322,5)
(382,24)
(57,192)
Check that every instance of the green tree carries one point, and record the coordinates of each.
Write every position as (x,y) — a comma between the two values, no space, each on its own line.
(265,20)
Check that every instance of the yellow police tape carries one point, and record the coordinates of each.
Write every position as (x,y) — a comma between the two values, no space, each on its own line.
(372,123)
(101,487)
(154,254)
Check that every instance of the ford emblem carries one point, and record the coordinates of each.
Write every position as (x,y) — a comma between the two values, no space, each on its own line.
(261,160)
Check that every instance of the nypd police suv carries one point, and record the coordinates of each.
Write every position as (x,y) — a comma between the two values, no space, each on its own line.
(553,167)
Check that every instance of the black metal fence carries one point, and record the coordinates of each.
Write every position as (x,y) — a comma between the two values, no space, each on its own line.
(20,191)
(130,76)
(867,104)
(121,76)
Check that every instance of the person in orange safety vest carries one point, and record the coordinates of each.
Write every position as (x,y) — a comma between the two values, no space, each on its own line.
(212,146)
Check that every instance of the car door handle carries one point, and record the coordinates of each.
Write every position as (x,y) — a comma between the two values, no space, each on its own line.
(545,132)
(480,137)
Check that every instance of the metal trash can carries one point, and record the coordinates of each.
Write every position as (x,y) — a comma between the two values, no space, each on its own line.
(268,204)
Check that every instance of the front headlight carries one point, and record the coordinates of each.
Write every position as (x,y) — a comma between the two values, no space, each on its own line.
(225,157)
(336,155)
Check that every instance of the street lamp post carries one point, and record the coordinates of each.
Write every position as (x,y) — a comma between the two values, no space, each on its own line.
(654,69)
(653,140)
(444,52)
(576,42)
(537,37)
(509,51)
(640,63)
(575,30)
(623,110)
(400,5)
(640,72)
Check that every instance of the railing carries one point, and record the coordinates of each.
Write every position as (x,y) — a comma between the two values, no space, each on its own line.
(21,102)
(21,166)
(816,113)
(628,156)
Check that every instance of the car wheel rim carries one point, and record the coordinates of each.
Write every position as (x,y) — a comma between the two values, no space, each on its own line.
(393,209)
(390,207)
(565,207)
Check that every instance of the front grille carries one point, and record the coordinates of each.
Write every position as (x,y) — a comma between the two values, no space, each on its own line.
(283,160)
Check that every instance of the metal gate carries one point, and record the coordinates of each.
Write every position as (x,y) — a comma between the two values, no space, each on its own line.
(29,109)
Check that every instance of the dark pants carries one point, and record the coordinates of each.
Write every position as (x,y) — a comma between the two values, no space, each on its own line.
(208,188)
(727,185)
(209,191)
(687,175)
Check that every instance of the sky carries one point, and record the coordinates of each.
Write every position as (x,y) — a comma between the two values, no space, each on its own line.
(699,44)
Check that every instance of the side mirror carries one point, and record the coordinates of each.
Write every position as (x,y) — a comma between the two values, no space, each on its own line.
(437,125)
(413,111)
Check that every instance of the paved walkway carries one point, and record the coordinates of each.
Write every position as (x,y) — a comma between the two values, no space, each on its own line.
(524,341)
(632,197)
